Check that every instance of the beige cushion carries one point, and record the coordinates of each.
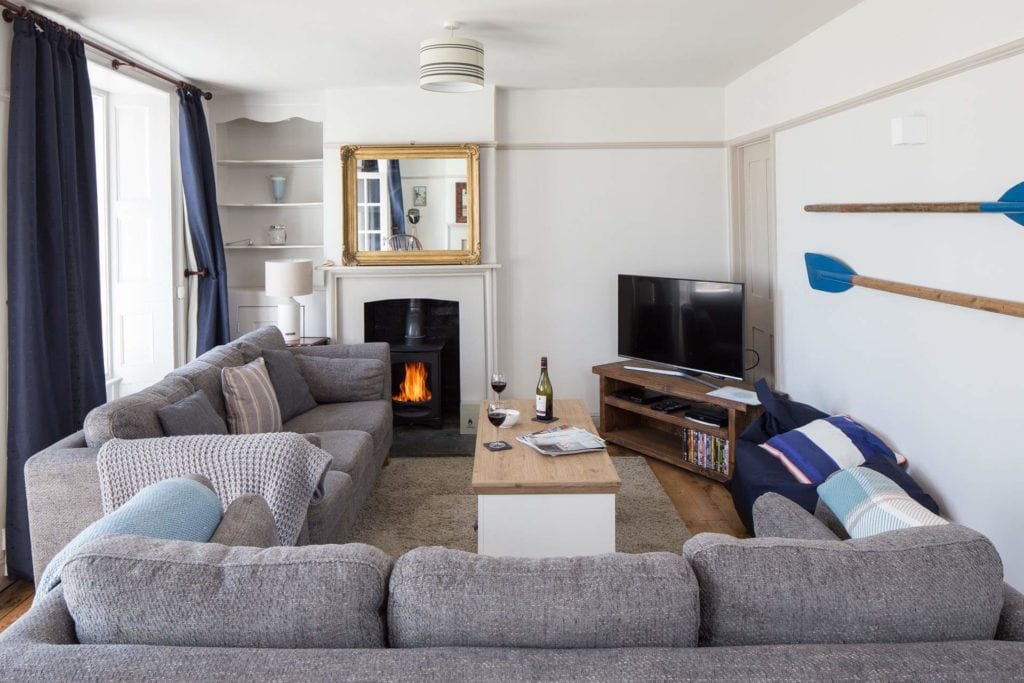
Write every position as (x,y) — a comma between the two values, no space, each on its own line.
(250,399)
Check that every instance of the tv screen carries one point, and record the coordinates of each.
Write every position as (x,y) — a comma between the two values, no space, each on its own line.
(692,324)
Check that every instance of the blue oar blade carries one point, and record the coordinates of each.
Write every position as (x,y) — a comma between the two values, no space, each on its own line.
(827,274)
(1014,195)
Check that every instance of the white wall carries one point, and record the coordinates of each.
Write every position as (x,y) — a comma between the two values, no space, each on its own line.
(571,218)
(874,44)
(941,383)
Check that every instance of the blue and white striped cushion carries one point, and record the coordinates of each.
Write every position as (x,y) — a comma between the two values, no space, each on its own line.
(867,502)
(812,452)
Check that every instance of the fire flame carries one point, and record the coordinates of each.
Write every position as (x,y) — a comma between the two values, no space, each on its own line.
(413,388)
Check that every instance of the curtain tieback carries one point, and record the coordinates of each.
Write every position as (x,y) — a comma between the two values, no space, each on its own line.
(202,272)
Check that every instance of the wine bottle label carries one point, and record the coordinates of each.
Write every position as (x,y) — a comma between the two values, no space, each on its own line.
(542,405)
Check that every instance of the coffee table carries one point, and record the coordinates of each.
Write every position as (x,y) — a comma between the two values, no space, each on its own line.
(533,505)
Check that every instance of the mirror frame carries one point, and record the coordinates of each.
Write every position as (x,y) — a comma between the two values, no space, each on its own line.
(351,154)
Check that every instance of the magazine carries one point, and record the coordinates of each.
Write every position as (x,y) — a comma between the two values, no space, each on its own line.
(563,440)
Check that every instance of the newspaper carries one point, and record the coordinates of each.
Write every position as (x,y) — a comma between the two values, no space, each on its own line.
(562,440)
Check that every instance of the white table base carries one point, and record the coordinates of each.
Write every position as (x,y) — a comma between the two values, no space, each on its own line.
(546,525)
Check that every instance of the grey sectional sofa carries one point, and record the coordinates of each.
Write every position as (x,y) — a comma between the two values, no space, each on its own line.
(919,604)
(62,483)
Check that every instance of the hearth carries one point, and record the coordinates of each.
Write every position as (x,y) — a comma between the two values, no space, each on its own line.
(424,339)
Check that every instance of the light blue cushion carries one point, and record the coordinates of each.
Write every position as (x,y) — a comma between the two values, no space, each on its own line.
(867,502)
(812,452)
(179,509)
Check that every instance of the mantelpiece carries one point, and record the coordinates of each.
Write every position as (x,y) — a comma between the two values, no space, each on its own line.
(473,286)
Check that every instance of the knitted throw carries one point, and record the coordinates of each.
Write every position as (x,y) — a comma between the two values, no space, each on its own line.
(282,467)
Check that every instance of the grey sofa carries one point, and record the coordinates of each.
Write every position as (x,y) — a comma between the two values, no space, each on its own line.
(62,483)
(920,604)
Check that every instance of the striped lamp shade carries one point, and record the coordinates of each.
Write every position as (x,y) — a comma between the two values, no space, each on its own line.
(452,64)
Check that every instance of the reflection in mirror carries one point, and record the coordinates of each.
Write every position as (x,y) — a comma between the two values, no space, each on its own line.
(410,199)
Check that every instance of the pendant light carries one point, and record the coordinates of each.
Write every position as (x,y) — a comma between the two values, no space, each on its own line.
(451,64)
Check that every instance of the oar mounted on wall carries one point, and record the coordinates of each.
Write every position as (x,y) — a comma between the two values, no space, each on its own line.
(1011,204)
(827,274)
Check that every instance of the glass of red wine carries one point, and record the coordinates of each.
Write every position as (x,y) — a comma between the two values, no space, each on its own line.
(495,414)
(498,383)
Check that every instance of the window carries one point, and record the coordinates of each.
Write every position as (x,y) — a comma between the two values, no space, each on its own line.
(373,218)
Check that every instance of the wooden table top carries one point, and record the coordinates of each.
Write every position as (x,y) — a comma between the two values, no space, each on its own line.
(524,470)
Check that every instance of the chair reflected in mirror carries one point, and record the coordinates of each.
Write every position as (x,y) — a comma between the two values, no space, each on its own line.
(402,243)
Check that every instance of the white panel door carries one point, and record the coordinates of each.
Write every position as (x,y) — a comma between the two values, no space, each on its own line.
(141,234)
(756,246)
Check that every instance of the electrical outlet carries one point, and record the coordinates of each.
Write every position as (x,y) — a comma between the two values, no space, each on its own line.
(469,413)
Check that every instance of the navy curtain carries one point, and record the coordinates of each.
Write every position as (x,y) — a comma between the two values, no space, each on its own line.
(203,221)
(395,198)
(55,337)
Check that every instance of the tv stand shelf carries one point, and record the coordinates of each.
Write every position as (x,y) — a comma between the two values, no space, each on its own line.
(660,435)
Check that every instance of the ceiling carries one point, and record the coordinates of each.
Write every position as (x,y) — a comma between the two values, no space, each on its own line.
(268,46)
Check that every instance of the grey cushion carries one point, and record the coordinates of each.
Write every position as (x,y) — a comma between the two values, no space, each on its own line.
(337,380)
(250,399)
(293,395)
(191,415)
(247,521)
(914,585)
(351,451)
(206,378)
(268,337)
(134,416)
(443,597)
(1011,620)
(372,417)
(778,516)
(128,589)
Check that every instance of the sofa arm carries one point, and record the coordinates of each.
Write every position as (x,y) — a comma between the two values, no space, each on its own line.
(47,622)
(374,350)
(63,490)
(326,519)
(1011,619)
(779,517)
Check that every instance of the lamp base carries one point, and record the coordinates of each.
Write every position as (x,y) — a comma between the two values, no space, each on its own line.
(289,320)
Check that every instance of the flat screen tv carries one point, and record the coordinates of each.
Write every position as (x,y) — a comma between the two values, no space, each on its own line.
(695,325)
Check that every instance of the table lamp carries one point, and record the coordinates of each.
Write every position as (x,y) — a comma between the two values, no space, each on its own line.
(289,277)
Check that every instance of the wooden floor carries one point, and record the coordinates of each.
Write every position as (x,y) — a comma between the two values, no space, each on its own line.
(702,504)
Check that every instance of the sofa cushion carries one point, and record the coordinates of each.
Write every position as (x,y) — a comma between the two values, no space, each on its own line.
(267,337)
(778,516)
(351,451)
(290,386)
(191,415)
(450,598)
(134,590)
(915,585)
(134,416)
(247,521)
(337,380)
(812,452)
(373,417)
(205,377)
(867,503)
(183,508)
(250,399)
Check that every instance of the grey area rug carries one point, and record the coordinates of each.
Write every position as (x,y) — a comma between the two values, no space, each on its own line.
(430,501)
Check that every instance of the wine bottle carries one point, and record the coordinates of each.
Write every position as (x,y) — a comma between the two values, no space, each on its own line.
(545,397)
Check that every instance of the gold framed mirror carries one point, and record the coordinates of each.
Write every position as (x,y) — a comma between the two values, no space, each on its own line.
(410,204)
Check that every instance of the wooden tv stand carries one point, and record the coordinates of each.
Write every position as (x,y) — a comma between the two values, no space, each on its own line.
(661,435)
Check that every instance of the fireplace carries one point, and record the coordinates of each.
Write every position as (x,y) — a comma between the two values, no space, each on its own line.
(424,339)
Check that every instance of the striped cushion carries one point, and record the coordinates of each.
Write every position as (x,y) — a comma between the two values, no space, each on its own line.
(250,399)
(867,502)
(819,448)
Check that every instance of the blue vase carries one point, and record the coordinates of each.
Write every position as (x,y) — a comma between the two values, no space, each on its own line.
(277,187)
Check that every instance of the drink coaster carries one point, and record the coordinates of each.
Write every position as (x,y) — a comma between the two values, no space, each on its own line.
(541,419)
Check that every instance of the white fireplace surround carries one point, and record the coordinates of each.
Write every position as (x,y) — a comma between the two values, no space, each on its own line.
(348,288)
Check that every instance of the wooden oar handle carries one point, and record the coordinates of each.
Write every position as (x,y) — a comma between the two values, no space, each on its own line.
(982,303)
(919,207)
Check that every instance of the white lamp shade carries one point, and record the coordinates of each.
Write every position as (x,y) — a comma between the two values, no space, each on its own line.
(289,277)
(452,65)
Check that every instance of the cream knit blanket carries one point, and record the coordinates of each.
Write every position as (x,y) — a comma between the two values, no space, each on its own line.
(283,467)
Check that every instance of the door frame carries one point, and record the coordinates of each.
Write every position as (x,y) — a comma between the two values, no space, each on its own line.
(737,254)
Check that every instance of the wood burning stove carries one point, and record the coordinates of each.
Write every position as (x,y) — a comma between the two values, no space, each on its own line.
(416,383)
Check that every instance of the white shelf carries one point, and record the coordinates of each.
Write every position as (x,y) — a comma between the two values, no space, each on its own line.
(269,162)
(271,205)
(276,246)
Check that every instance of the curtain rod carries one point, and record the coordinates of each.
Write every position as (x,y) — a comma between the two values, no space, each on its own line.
(13,11)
